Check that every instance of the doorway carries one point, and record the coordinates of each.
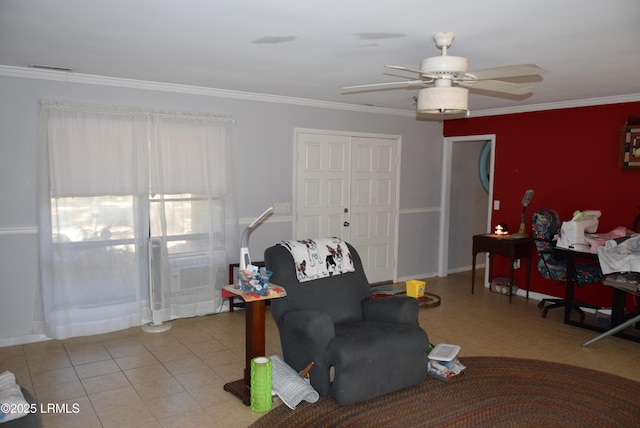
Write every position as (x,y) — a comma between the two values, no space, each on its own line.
(465,206)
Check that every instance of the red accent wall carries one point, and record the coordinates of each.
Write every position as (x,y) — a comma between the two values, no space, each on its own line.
(570,158)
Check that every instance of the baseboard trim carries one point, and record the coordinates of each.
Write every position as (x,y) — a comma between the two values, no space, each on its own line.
(23,340)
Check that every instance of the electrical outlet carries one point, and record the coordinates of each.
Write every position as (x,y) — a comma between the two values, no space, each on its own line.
(516,264)
(281,207)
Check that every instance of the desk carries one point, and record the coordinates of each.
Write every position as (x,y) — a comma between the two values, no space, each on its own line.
(255,342)
(506,246)
(618,298)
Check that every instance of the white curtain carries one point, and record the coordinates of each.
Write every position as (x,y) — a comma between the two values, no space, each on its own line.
(137,217)
(192,215)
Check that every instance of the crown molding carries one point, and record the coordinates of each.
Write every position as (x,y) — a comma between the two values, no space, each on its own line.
(72,77)
(586,102)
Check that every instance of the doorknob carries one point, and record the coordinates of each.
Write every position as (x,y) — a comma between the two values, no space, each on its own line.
(345,224)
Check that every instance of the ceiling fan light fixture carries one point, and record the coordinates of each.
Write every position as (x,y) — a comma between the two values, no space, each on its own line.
(454,66)
(443,100)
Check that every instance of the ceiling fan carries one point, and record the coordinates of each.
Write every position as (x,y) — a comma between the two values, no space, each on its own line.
(446,80)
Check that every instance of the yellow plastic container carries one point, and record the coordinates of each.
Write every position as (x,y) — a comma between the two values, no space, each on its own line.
(415,288)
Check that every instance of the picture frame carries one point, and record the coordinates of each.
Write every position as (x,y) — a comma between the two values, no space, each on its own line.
(629,148)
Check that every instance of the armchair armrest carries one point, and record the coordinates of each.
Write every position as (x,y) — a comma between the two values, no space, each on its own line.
(395,309)
(305,336)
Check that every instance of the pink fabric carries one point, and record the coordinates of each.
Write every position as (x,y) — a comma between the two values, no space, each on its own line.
(598,240)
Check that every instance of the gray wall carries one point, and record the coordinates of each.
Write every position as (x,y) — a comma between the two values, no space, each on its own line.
(264,138)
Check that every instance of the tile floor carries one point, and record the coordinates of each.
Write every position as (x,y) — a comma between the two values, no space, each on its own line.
(175,379)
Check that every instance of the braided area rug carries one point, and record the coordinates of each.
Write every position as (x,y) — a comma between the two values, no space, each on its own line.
(491,392)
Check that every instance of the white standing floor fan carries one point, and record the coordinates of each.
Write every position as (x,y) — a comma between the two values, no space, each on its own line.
(157,325)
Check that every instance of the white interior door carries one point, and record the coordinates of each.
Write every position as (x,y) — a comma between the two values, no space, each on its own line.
(373,204)
(346,186)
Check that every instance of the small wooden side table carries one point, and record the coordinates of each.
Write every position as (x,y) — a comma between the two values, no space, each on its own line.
(507,246)
(255,335)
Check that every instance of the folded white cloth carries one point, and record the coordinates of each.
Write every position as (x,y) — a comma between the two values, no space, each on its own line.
(319,258)
(622,257)
(289,386)
(12,402)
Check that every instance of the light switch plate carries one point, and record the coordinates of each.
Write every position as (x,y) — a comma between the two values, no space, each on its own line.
(281,207)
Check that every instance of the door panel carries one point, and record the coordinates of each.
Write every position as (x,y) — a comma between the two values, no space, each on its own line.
(312,195)
(381,255)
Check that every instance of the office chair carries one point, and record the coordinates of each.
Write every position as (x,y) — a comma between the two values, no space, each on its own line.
(546,225)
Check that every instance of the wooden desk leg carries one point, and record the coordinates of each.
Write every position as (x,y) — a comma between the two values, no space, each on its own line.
(511,280)
(473,272)
(490,268)
(255,347)
(528,274)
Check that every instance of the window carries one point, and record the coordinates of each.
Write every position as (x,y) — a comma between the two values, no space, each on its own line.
(137,217)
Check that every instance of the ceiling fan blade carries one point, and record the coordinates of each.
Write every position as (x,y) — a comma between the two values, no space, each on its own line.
(498,86)
(507,71)
(398,67)
(398,75)
(406,83)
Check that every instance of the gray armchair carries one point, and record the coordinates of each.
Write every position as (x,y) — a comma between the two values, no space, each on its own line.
(362,347)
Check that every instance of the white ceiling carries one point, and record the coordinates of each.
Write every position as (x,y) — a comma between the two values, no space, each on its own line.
(305,49)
